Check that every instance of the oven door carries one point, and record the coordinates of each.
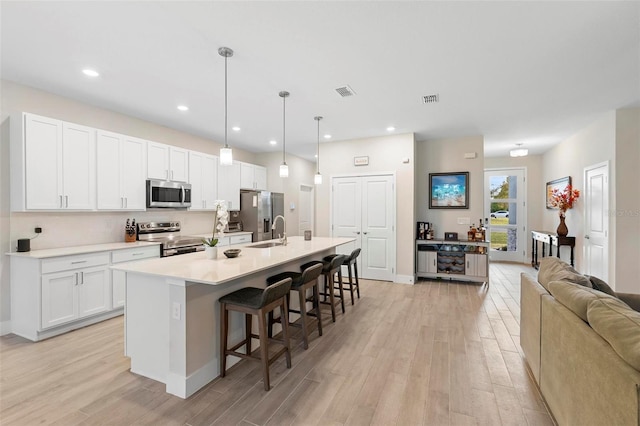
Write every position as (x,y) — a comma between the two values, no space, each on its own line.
(162,193)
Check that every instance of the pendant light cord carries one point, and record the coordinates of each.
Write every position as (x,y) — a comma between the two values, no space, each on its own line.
(284,120)
(318,162)
(226,145)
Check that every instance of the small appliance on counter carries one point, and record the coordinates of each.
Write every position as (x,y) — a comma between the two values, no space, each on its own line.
(24,245)
(234,224)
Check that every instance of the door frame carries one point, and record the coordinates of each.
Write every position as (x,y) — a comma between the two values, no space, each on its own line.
(394,243)
(607,211)
(525,207)
(312,207)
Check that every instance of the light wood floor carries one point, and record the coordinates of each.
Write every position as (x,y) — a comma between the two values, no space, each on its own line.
(435,353)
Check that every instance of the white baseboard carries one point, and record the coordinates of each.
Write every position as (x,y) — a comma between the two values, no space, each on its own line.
(404,279)
(5,327)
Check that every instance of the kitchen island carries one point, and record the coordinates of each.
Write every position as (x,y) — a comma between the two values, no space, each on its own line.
(172,331)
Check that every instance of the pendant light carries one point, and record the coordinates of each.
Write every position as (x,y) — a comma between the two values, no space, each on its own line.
(226,155)
(284,169)
(317,179)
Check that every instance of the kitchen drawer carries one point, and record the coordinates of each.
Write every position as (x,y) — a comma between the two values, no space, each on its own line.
(240,239)
(65,263)
(137,253)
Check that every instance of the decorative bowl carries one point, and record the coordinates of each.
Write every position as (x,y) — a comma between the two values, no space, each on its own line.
(232,253)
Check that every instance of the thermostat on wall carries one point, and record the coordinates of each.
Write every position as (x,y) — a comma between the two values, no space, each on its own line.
(451,236)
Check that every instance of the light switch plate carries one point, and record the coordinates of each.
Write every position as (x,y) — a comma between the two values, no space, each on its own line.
(175,311)
(464,221)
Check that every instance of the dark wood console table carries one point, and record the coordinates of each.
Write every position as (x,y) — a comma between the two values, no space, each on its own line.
(550,238)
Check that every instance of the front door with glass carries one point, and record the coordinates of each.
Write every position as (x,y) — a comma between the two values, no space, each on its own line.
(505,211)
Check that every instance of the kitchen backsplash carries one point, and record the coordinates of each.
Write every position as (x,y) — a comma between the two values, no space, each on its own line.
(74,229)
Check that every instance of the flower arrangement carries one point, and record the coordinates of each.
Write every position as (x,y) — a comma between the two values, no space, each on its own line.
(564,199)
(220,222)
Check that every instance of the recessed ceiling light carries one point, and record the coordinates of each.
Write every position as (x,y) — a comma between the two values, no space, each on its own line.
(327,136)
(183,108)
(273,142)
(235,128)
(316,155)
(390,129)
(90,72)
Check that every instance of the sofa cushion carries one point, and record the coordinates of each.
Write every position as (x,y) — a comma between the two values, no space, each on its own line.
(554,269)
(600,285)
(619,325)
(576,297)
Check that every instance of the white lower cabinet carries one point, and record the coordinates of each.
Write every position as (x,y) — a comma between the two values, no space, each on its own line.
(70,295)
(53,295)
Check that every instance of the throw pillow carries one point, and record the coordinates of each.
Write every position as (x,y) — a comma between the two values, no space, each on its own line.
(600,285)
(554,269)
(619,325)
(575,297)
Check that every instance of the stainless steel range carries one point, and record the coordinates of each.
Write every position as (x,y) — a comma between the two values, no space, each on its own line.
(168,233)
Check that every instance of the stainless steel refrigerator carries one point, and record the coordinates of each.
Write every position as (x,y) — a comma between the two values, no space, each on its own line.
(257,210)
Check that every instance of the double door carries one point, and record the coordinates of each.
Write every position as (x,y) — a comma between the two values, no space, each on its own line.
(363,207)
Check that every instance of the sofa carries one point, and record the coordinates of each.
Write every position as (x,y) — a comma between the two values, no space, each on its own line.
(581,341)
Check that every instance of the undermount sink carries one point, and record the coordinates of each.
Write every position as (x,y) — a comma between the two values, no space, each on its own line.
(264,245)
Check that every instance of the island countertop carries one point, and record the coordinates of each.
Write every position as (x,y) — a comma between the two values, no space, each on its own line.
(196,268)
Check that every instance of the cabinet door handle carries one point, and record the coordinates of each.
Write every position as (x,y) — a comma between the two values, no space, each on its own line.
(171,174)
(66,201)
(81,277)
(75,274)
(467,263)
(126,202)
(61,201)
(121,202)
(137,254)
(78,261)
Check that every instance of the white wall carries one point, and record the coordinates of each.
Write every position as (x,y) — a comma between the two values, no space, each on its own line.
(593,144)
(535,190)
(70,229)
(386,155)
(627,207)
(447,155)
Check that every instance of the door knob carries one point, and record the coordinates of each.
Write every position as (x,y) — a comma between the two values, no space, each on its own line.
(357,232)
(365,233)
(586,237)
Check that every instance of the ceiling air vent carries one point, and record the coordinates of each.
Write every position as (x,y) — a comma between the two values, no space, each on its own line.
(345,91)
(430,99)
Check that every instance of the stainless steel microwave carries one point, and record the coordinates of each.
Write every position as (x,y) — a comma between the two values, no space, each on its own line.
(168,194)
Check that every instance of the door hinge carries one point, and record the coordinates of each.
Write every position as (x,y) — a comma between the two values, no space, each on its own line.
(393,228)
(392,270)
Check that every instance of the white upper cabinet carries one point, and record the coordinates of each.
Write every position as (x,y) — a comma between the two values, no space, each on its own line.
(203,177)
(167,162)
(229,185)
(253,176)
(121,171)
(52,165)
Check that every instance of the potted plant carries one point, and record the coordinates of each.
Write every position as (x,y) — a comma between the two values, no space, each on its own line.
(219,223)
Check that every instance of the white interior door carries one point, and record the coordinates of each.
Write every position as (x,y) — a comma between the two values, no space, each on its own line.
(505,208)
(363,207)
(596,223)
(305,212)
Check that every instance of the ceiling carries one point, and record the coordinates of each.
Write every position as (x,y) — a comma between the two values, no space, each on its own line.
(516,72)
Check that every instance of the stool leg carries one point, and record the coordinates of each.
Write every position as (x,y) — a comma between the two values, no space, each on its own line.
(341,289)
(302,297)
(224,324)
(247,332)
(316,304)
(285,332)
(350,283)
(328,287)
(264,349)
(270,323)
(355,269)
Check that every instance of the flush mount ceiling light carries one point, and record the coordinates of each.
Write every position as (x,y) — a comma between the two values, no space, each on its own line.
(273,142)
(183,108)
(90,73)
(327,136)
(284,169)
(519,152)
(226,155)
(317,179)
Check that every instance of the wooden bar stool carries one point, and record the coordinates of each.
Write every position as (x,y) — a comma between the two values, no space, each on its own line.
(350,262)
(255,301)
(301,282)
(329,270)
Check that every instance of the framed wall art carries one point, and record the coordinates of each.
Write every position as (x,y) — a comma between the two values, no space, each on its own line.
(558,184)
(449,190)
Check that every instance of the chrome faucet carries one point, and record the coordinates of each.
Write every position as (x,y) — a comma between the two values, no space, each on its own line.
(282,239)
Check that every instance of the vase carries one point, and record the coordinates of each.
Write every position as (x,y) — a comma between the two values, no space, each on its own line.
(562,230)
(211,252)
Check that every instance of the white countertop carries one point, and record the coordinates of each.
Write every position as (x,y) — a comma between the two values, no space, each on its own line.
(68,251)
(195,267)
